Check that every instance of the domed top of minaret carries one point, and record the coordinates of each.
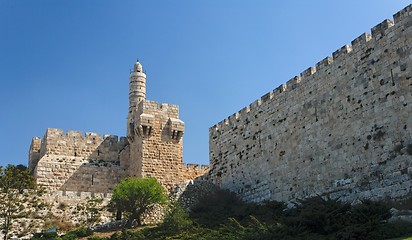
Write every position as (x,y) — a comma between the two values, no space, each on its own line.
(138,66)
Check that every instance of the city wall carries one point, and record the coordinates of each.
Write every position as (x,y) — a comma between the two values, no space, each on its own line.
(342,128)
(73,162)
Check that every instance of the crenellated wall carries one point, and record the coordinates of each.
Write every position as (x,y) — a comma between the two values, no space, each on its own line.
(73,162)
(342,127)
(73,143)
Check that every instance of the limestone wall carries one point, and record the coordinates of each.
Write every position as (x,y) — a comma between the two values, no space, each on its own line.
(65,173)
(73,162)
(73,143)
(343,127)
(156,147)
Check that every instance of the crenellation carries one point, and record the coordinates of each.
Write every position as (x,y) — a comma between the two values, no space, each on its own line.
(403,14)
(323,64)
(294,82)
(192,166)
(74,134)
(334,133)
(232,118)
(360,41)
(264,98)
(341,52)
(308,72)
(282,88)
(92,136)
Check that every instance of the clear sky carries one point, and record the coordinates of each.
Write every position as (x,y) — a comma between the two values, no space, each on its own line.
(65,64)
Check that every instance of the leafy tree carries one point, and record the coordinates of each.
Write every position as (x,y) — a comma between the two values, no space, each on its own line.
(14,194)
(135,196)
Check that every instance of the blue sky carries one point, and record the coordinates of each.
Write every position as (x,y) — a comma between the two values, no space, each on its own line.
(65,64)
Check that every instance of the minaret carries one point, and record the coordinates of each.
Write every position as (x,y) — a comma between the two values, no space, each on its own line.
(137,93)
(137,90)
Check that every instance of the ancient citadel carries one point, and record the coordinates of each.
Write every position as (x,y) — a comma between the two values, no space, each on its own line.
(342,128)
(153,148)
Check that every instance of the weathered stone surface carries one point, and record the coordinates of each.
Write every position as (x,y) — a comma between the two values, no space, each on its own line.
(342,128)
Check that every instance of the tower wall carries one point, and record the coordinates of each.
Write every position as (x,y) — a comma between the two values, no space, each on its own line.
(34,152)
(342,128)
(156,150)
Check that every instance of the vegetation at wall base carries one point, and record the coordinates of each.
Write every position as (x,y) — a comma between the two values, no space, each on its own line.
(71,235)
(229,218)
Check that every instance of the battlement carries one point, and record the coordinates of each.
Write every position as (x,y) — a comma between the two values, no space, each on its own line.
(198,167)
(360,47)
(192,171)
(148,106)
(75,144)
(55,133)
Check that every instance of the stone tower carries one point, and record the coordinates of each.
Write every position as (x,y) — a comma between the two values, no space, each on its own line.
(155,134)
(137,92)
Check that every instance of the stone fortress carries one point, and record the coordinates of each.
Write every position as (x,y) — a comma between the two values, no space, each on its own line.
(71,162)
(342,128)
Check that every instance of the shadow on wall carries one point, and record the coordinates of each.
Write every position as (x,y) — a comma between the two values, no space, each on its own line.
(72,162)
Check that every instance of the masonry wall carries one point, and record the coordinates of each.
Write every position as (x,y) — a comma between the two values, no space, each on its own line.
(156,150)
(73,162)
(342,128)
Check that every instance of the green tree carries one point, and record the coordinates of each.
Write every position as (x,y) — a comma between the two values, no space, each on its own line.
(135,196)
(17,194)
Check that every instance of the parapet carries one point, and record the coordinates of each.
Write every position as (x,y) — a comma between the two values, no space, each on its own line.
(192,171)
(74,143)
(401,19)
(195,166)
(148,106)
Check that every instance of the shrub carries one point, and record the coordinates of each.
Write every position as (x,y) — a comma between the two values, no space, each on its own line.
(77,233)
(176,220)
(135,196)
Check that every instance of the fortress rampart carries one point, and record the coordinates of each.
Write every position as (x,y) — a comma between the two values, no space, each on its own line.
(341,128)
(74,162)
(73,143)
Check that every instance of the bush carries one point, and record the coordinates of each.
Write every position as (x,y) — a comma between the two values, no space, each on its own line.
(45,236)
(176,220)
(215,208)
(95,238)
(75,234)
